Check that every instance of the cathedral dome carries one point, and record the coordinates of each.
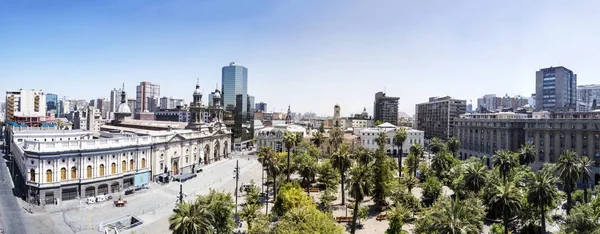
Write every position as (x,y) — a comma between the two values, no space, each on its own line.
(217,94)
(123,108)
(197,90)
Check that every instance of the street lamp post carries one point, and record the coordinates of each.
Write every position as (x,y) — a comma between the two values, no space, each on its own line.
(237,177)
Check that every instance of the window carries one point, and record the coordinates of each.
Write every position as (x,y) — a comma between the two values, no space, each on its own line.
(73,173)
(63,173)
(131,164)
(49,176)
(101,169)
(88,172)
(143,163)
(123,166)
(32,175)
(113,168)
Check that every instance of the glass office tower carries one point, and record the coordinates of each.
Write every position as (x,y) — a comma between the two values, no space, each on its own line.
(235,82)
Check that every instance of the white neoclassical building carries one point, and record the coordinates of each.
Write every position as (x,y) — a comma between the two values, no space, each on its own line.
(58,165)
(368,135)
(273,136)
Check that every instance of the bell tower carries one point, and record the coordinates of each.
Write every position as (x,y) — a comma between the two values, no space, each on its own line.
(197,110)
(288,117)
(216,110)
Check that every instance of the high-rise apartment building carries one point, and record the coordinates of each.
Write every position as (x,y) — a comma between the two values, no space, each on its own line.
(52,103)
(261,106)
(488,103)
(436,117)
(588,93)
(26,107)
(171,103)
(234,79)
(147,97)
(556,89)
(385,109)
(132,103)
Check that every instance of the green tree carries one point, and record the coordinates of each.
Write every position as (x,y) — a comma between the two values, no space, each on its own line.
(318,139)
(378,122)
(271,160)
(475,176)
(341,160)
(310,149)
(453,216)
(527,154)
(336,138)
(191,218)
(399,139)
(221,206)
(568,170)
(291,196)
(249,213)
(322,129)
(417,150)
(586,169)
(363,213)
(252,193)
(410,182)
(327,198)
(307,219)
(441,162)
(432,188)
(436,145)
(507,198)
(289,140)
(453,145)
(328,175)
(260,225)
(581,221)
(306,166)
(360,186)
(396,217)
(382,171)
(504,161)
(542,191)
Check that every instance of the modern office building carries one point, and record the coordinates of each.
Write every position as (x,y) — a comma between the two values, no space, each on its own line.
(436,117)
(556,89)
(368,138)
(588,93)
(147,96)
(261,106)
(26,107)
(251,106)
(234,79)
(52,103)
(385,109)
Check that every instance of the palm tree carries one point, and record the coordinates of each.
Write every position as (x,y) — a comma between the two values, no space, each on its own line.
(341,159)
(289,139)
(475,176)
(440,162)
(416,149)
(586,169)
(270,159)
(336,137)
(249,213)
(436,145)
(190,218)
(455,216)
(505,161)
(527,154)
(508,198)
(543,192)
(568,170)
(360,186)
(399,139)
(453,145)
(318,139)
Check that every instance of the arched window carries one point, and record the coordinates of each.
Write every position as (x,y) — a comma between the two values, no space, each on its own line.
(143,163)
(49,176)
(32,175)
(113,168)
(88,171)
(123,166)
(101,169)
(131,164)
(73,173)
(63,173)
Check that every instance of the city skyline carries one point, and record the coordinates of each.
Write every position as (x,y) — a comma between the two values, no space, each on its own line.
(298,53)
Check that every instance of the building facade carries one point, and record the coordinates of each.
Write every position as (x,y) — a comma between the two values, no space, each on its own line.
(273,136)
(171,103)
(587,94)
(52,103)
(175,115)
(385,109)
(488,103)
(26,107)
(555,89)
(147,95)
(436,117)
(261,106)
(234,79)
(368,138)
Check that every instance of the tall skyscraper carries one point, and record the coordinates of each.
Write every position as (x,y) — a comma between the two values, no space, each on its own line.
(437,116)
(555,89)
(234,79)
(261,106)
(250,104)
(385,109)
(147,97)
(52,103)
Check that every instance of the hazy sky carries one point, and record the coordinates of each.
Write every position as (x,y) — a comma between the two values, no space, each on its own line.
(311,54)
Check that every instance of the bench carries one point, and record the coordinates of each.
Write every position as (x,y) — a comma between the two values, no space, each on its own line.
(382,217)
(340,219)
(314,190)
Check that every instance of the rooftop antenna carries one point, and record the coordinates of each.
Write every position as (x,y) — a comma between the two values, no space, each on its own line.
(123,87)
(197,81)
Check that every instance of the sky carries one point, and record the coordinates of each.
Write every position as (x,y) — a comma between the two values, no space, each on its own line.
(310,54)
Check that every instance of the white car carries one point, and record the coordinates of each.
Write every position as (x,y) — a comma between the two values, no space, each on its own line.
(90,200)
